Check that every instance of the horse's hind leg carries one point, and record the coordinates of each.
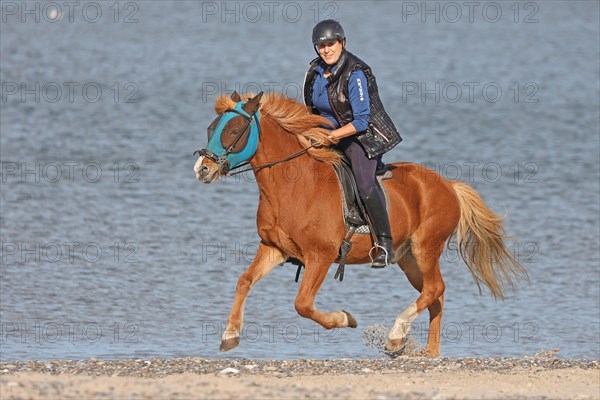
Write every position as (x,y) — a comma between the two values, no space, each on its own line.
(313,278)
(266,259)
(415,277)
(421,267)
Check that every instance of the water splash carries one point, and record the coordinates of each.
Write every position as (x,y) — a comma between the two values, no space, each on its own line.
(375,338)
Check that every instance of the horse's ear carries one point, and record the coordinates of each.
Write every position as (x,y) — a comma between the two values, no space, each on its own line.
(236,97)
(252,105)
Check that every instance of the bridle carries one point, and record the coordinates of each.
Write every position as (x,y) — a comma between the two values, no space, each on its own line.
(223,163)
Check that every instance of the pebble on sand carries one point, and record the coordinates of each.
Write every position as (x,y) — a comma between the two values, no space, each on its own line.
(229,371)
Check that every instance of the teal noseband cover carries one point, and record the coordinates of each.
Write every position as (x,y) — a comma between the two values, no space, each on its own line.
(215,146)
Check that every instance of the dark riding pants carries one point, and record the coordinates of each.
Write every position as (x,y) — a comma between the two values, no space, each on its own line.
(363,168)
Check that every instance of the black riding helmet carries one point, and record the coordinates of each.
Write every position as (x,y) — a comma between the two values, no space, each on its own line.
(327,31)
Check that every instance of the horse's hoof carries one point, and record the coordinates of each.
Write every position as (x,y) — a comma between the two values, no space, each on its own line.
(351,320)
(229,344)
(395,347)
(432,353)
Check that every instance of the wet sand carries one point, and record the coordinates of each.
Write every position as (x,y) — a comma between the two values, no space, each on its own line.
(404,377)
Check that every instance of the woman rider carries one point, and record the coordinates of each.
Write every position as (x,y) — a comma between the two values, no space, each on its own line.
(341,87)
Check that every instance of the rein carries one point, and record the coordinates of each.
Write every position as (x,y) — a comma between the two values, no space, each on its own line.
(271,164)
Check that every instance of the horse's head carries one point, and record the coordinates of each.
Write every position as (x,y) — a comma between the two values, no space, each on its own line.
(232,139)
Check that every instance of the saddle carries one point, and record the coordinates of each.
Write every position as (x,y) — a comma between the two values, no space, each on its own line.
(356,219)
(352,209)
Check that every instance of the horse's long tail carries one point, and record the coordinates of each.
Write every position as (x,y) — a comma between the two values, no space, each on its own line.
(480,240)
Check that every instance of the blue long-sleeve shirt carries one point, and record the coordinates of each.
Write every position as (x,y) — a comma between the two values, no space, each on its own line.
(358,93)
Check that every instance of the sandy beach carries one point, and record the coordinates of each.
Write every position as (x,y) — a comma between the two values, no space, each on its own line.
(404,377)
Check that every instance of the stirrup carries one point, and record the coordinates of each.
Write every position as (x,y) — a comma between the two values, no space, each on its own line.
(387,257)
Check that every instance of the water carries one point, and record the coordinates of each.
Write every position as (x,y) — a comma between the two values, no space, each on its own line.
(112,249)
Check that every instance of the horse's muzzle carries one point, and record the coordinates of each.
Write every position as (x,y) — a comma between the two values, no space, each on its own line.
(206,170)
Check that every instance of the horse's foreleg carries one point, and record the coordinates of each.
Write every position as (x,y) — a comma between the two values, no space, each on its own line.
(423,272)
(313,278)
(266,259)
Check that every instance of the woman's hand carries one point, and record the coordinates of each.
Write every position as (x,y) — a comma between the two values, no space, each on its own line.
(344,131)
(315,143)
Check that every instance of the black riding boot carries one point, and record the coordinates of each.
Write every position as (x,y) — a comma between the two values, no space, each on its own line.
(375,205)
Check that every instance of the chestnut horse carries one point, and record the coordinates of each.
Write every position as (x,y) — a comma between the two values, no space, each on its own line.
(300,215)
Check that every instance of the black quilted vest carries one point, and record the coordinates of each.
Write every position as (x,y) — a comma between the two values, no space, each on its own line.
(381,135)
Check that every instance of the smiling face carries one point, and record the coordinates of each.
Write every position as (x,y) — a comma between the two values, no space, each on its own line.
(330,52)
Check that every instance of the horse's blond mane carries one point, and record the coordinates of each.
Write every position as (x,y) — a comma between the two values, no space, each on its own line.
(295,119)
